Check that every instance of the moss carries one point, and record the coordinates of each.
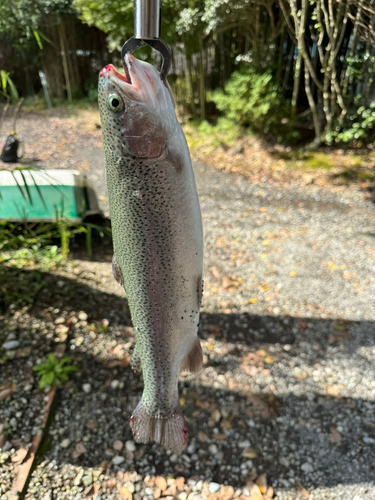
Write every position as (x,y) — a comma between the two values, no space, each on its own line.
(318,160)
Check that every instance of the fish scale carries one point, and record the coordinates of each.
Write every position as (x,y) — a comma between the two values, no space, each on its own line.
(157,239)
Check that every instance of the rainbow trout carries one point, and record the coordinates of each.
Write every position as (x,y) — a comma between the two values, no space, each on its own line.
(157,239)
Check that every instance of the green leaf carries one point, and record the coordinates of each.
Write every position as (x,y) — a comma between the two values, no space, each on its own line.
(26,187)
(38,40)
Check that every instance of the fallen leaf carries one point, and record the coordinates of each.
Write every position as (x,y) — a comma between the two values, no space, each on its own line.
(225,424)
(262,483)
(302,324)
(250,370)
(269,360)
(253,300)
(293,274)
(92,490)
(249,453)
(331,265)
(265,243)
(214,271)
(220,437)
(6,390)
(301,490)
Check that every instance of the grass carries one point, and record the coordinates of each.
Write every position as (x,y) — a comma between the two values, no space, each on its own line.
(204,135)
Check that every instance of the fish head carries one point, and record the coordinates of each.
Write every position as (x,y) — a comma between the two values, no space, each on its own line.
(136,109)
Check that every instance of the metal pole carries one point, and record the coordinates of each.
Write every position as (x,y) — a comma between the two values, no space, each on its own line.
(43,79)
(147,17)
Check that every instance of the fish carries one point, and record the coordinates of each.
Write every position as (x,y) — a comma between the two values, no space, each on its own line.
(157,238)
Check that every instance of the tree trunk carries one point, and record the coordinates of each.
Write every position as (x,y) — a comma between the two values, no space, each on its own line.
(280,59)
(65,61)
(353,46)
(314,111)
(296,86)
(202,94)
(191,85)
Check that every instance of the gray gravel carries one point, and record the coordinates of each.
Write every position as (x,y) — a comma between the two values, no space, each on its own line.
(288,385)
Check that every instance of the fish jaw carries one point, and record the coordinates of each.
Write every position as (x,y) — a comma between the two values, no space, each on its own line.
(141,82)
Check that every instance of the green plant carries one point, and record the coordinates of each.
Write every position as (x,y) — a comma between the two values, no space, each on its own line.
(53,371)
(249,99)
(7,429)
(43,244)
(8,89)
(358,127)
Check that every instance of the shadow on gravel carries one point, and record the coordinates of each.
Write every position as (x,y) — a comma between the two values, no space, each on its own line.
(316,439)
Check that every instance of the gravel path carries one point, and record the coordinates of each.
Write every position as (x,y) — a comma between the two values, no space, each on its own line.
(288,333)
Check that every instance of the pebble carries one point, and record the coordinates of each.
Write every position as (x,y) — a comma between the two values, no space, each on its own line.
(82,316)
(11,345)
(118,445)
(244,444)
(65,443)
(130,446)
(117,460)
(213,449)
(86,388)
(7,446)
(78,478)
(87,479)
(307,467)
(213,487)
(191,448)
(368,440)
(114,384)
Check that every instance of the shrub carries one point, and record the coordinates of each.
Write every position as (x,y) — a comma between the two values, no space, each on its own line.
(250,99)
(358,127)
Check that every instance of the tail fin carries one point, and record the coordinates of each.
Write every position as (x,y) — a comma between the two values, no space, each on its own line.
(194,360)
(170,431)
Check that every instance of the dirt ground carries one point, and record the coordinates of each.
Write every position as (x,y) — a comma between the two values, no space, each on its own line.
(285,404)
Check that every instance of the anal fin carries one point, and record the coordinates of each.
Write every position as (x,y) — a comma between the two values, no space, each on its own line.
(193,362)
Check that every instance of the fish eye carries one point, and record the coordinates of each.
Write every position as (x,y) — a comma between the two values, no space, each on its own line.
(115,103)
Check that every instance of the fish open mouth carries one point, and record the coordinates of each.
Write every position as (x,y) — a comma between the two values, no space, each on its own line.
(111,69)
